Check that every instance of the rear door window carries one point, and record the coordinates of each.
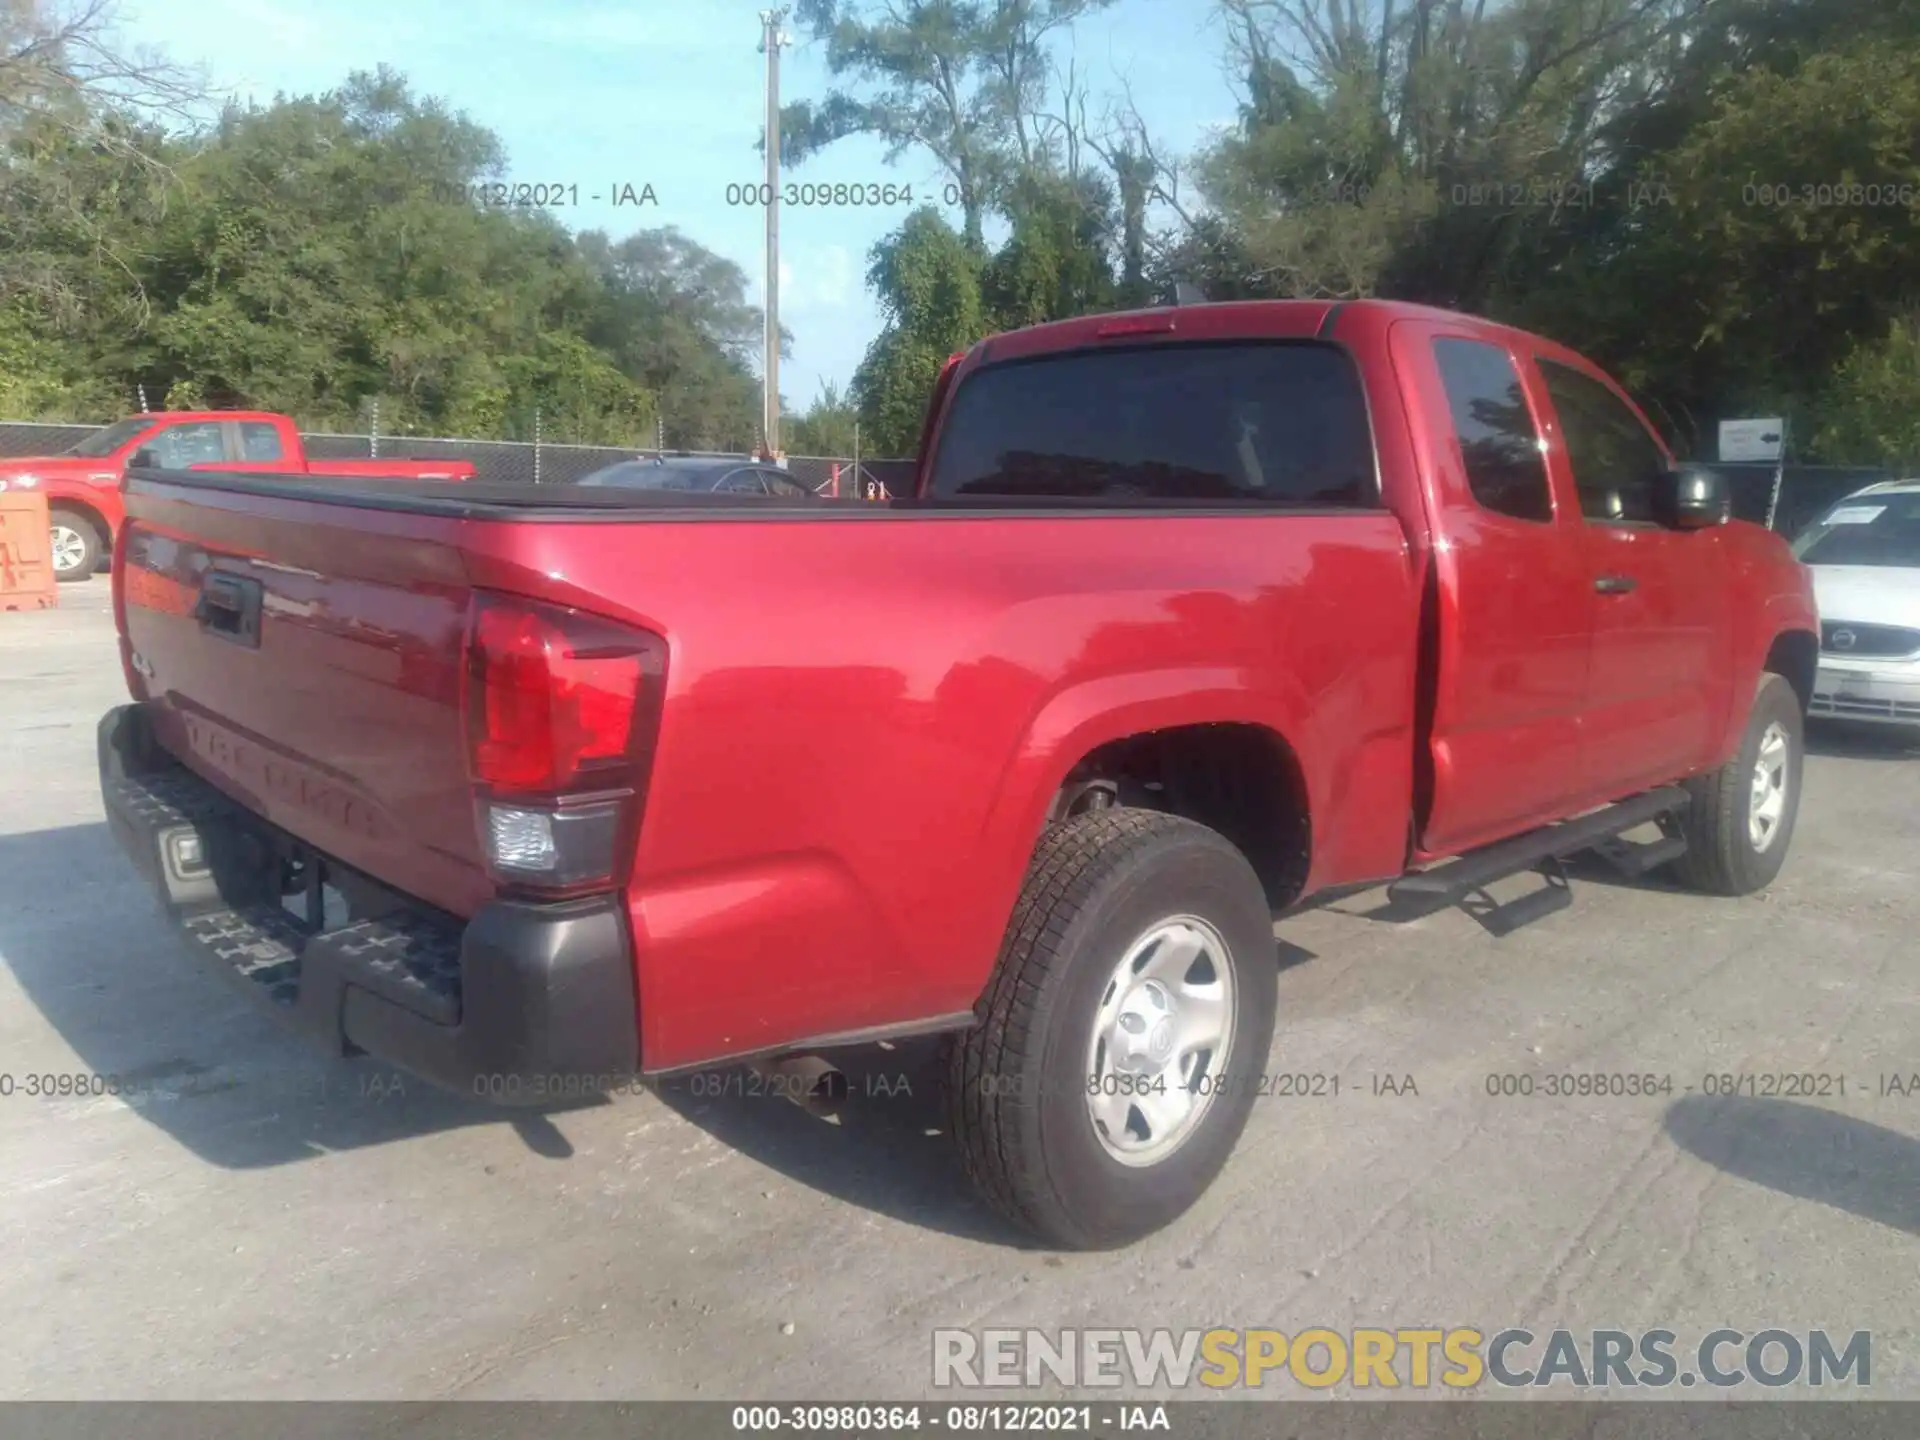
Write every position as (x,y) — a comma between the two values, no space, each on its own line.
(195,442)
(1499,442)
(1265,423)
(259,441)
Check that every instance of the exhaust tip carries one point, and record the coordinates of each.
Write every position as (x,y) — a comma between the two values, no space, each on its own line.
(816,1085)
(828,1097)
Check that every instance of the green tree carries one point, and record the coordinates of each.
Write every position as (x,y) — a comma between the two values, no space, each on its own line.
(80,182)
(36,376)
(676,319)
(928,280)
(1871,413)
(1750,259)
(964,81)
(1412,150)
(1055,263)
(321,255)
(581,395)
(1135,178)
(827,427)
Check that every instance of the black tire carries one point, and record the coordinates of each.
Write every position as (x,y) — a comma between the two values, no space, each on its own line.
(1721,857)
(1017,1082)
(91,547)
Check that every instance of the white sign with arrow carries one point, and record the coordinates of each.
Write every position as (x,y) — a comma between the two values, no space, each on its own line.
(1760,442)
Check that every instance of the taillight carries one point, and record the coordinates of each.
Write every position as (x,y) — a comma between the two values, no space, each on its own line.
(117,583)
(561,711)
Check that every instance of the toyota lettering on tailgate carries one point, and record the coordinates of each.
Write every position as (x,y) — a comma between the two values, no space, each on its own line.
(286,780)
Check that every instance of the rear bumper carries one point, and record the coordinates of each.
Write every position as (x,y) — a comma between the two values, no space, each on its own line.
(1888,692)
(521,1004)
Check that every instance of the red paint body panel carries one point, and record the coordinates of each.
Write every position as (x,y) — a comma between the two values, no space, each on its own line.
(94,484)
(868,711)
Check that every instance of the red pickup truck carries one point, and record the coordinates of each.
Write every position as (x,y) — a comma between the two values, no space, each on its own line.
(1195,613)
(83,485)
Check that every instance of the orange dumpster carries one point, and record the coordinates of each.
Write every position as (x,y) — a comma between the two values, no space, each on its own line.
(26,555)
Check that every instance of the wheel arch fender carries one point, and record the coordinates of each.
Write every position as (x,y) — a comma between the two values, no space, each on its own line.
(1081,717)
(1781,637)
(82,507)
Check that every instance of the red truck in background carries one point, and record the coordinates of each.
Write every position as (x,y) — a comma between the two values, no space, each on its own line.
(83,485)
(1195,613)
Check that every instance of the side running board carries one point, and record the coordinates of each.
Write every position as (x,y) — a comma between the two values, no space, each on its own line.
(1454,880)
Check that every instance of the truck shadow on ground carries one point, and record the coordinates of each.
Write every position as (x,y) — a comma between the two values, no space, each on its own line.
(1806,1152)
(226,1080)
(84,941)
(888,1150)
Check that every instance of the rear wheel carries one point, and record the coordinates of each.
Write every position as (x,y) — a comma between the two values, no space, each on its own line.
(1740,819)
(1112,1071)
(75,543)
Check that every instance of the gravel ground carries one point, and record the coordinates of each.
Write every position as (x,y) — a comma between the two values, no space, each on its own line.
(262,1222)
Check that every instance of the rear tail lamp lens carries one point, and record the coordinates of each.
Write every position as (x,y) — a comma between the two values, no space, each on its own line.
(555,696)
(561,713)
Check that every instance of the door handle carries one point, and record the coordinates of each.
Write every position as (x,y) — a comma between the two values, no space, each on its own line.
(1614,584)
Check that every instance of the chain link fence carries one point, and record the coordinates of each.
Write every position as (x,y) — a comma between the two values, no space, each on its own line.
(1806,490)
(511,461)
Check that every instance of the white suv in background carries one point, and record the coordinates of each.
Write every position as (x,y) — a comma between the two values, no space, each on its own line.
(1865,557)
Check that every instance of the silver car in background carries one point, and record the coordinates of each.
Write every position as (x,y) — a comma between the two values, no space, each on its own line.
(701,475)
(1865,557)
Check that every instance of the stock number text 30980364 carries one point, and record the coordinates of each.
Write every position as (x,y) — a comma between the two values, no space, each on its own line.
(810,195)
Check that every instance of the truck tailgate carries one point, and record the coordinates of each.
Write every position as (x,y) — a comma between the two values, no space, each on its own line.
(307,660)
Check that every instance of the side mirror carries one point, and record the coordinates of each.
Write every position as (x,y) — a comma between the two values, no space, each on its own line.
(1691,497)
(143,459)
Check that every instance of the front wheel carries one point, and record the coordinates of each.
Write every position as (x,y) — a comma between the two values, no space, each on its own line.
(75,544)
(1739,821)
(1119,1043)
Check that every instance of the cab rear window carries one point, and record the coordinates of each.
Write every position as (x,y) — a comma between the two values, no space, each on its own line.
(1257,423)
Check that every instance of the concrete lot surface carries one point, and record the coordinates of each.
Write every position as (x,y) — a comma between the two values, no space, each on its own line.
(258,1221)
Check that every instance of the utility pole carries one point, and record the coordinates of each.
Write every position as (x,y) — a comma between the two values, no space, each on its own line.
(772,37)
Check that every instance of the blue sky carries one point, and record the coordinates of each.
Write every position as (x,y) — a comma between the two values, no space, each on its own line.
(667,93)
